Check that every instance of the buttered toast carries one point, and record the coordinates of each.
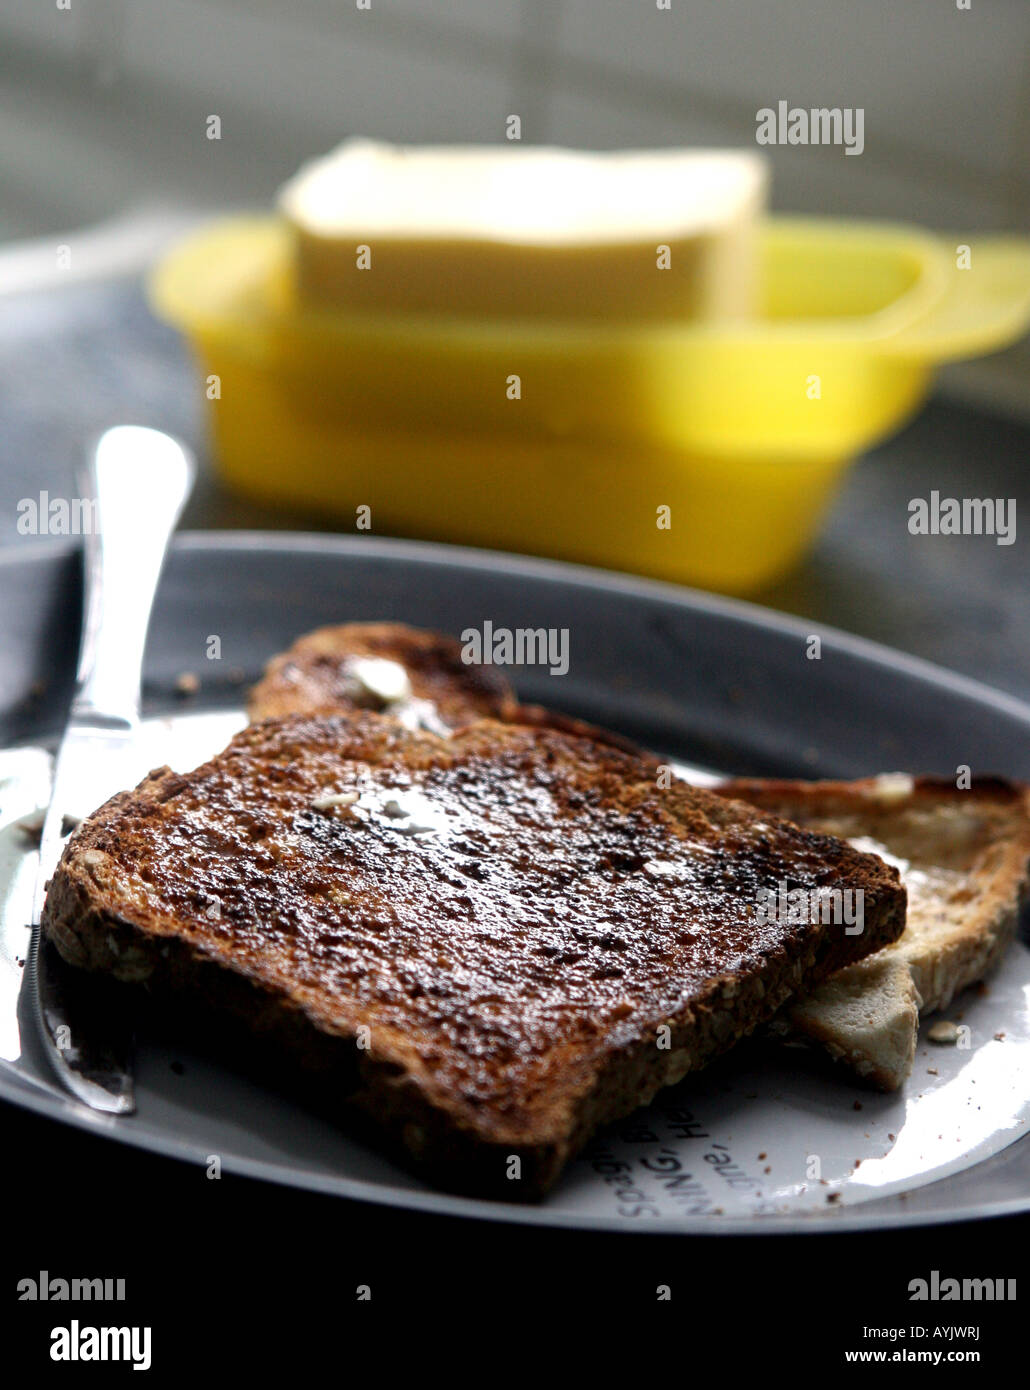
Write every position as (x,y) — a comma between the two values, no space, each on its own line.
(415,675)
(963,855)
(492,943)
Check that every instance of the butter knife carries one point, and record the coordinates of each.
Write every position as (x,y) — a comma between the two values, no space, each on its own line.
(133,487)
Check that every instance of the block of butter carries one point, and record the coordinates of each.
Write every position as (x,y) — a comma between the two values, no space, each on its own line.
(528,231)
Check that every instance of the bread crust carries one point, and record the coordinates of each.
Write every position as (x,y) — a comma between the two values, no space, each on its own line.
(508,1028)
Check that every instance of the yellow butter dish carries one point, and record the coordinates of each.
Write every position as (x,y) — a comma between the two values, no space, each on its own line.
(697,451)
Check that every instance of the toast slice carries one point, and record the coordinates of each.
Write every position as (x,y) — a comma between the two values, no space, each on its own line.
(414,675)
(963,855)
(417,676)
(491,943)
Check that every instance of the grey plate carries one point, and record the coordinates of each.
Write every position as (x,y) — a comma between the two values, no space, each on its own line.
(710,681)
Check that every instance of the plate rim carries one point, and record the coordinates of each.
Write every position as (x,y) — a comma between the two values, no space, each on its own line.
(51,1103)
(584,576)
(54,1105)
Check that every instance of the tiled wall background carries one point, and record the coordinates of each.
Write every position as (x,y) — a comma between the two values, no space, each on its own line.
(102,105)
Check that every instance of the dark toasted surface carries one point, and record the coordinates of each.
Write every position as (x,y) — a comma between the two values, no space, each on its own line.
(320,674)
(511,913)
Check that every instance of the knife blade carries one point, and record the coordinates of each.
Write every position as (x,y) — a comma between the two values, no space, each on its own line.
(133,488)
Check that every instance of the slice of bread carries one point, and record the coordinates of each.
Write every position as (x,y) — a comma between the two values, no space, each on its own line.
(417,676)
(868,1017)
(963,855)
(492,943)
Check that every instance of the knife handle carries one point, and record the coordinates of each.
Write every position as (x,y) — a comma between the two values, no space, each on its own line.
(136,481)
